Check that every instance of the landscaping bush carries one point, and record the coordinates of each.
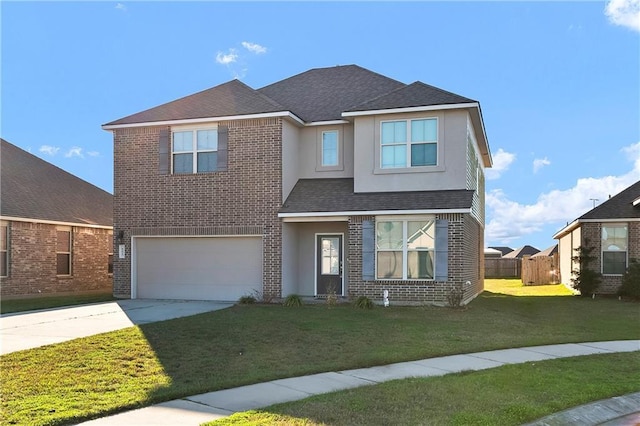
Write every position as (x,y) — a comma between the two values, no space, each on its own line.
(631,281)
(363,302)
(247,300)
(586,280)
(293,300)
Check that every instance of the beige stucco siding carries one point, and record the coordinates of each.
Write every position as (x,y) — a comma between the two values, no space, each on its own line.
(310,153)
(290,157)
(566,249)
(449,173)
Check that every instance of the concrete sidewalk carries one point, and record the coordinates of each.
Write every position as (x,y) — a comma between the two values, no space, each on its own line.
(196,409)
(26,330)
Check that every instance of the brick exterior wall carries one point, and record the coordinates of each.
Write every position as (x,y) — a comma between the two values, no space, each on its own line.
(243,200)
(592,235)
(32,261)
(466,263)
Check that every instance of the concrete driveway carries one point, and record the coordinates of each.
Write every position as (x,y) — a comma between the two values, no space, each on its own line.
(32,329)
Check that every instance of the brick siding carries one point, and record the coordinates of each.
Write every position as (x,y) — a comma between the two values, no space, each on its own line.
(244,198)
(592,235)
(33,261)
(465,264)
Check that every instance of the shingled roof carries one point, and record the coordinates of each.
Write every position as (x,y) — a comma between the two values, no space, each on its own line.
(323,94)
(619,206)
(34,189)
(320,94)
(336,195)
(227,99)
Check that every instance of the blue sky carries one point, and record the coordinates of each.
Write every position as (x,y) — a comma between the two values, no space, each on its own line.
(558,83)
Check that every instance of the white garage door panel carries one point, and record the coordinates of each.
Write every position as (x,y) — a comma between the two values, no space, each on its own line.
(223,268)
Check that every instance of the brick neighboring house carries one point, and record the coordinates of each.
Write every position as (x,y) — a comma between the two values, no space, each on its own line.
(613,230)
(334,180)
(55,229)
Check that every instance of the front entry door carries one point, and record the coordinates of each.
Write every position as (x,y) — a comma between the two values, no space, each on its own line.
(329,264)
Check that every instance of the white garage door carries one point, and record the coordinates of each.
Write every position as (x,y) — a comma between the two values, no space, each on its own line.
(198,268)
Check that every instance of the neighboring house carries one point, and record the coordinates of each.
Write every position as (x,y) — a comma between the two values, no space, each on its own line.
(491,253)
(55,229)
(502,250)
(336,180)
(548,252)
(521,252)
(613,231)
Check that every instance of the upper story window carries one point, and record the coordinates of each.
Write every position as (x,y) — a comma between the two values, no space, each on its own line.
(614,249)
(409,143)
(195,151)
(63,250)
(330,148)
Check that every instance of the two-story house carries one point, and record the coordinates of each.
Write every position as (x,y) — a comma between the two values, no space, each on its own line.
(336,180)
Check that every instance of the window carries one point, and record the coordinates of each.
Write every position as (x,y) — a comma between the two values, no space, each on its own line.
(409,143)
(614,249)
(4,250)
(63,251)
(195,151)
(405,249)
(110,255)
(330,148)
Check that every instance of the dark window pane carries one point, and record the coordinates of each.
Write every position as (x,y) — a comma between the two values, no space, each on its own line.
(183,163)
(614,262)
(424,154)
(63,264)
(110,266)
(207,161)
(3,263)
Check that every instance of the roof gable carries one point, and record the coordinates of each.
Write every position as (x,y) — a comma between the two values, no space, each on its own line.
(34,189)
(414,95)
(323,94)
(227,99)
(521,252)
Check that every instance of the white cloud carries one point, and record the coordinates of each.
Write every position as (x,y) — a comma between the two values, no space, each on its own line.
(75,151)
(48,149)
(539,163)
(510,220)
(121,7)
(625,13)
(227,58)
(501,162)
(254,47)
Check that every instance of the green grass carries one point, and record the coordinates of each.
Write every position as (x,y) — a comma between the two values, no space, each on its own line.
(20,305)
(508,395)
(84,378)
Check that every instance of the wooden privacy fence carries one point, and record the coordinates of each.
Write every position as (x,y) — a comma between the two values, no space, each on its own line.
(502,268)
(540,270)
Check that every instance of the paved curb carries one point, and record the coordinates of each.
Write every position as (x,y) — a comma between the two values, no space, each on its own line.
(197,409)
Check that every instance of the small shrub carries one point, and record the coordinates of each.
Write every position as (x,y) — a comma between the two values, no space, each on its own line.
(363,302)
(247,300)
(293,300)
(631,281)
(586,280)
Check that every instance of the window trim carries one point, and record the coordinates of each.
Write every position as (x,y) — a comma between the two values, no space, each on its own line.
(194,151)
(320,167)
(405,247)
(603,251)
(68,229)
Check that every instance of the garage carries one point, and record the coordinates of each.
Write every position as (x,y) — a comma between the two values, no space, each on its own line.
(197,268)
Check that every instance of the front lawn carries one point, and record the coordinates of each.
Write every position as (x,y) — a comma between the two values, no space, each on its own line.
(509,395)
(138,366)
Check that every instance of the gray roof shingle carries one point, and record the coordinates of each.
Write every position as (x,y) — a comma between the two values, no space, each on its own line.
(336,195)
(620,206)
(413,95)
(34,189)
(323,94)
(227,99)
(522,251)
